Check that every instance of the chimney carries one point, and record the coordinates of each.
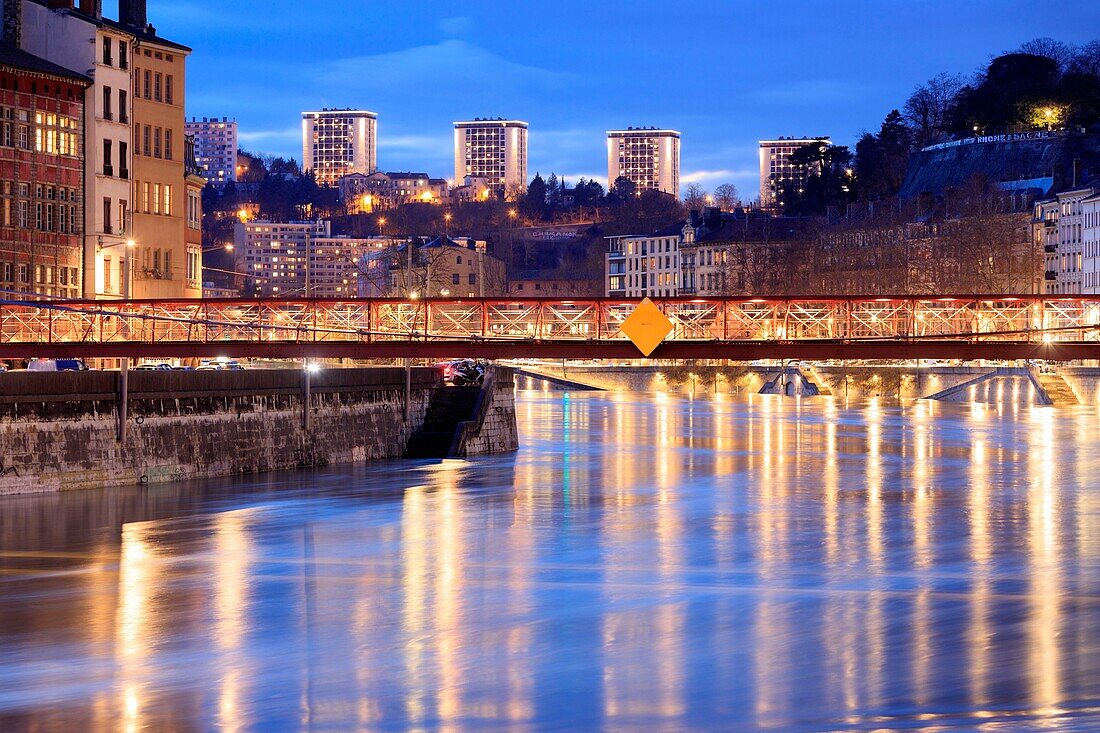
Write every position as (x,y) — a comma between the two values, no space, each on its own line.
(133,14)
(92,8)
(1058,173)
(1078,172)
(13,22)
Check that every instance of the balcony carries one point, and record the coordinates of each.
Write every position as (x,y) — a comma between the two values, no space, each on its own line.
(109,171)
(1051,275)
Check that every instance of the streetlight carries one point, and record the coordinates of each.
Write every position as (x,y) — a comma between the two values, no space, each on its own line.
(382,225)
(227,247)
(512,214)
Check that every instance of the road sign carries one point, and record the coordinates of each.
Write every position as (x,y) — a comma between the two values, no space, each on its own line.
(646,327)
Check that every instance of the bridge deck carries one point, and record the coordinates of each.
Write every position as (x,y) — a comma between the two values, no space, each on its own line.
(957,327)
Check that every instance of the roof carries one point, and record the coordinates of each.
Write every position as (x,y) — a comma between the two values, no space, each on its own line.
(147,34)
(498,121)
(758,228)
(20,59)
(448,242)
(406,174)
(643,131)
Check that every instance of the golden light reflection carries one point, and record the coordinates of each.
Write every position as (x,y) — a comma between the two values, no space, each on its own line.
(138,583)
(1044,663)
(979,632)
(233,553)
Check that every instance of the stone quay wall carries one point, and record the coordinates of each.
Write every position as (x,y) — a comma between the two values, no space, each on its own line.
(493,428)
(59,431)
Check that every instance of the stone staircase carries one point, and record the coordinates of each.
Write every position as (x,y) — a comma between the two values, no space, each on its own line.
(447,407)
(1058,390)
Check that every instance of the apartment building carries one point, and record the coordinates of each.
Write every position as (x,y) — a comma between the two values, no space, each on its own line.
(776,171)
(162,248)
(336,142)
(81,39)
(495,150)
(215,148)
(1058,224)
(41,174)
(1090,244)
(301,259)
(646,266)
(647,157)
(363,194)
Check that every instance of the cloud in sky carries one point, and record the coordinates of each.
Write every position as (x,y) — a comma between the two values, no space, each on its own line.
(575,68)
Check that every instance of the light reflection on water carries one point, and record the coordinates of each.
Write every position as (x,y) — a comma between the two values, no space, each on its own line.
(644,562)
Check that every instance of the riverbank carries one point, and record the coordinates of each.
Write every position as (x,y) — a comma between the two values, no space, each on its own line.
(61,431)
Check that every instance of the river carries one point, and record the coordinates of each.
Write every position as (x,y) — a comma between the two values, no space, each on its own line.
(644,562)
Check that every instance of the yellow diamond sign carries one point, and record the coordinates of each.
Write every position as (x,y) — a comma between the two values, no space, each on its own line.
(646,327)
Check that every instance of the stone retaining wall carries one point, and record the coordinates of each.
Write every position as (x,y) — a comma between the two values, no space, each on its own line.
(58,431)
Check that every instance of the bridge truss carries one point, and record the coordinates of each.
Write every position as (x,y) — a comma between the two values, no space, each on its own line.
(955,327)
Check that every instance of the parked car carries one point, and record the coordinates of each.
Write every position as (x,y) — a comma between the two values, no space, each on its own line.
(153,367)
(56,365)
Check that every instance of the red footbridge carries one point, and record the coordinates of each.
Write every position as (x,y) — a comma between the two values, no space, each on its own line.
(941,327)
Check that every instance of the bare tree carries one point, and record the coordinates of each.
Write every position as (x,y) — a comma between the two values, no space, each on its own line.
(695,197)
(926,109)
(726,197)
(1087,59)
(1049,48)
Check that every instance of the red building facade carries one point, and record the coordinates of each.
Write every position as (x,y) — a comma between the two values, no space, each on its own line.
(41,177)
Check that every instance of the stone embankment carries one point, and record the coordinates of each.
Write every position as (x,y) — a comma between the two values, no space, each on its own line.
(60,431)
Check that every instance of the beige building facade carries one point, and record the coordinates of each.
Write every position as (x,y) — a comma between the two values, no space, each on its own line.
(494,150)
(647,157)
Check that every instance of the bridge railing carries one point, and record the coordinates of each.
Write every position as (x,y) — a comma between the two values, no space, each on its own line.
(1023,318)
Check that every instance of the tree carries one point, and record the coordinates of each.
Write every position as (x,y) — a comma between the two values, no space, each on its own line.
(927,108)
(1004,96)
(881,159)
(726,197)
(623,189)
(1056,51)
(695,197)
(534,203)
(827,183)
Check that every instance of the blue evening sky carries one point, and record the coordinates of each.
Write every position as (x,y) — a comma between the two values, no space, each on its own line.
(725,74)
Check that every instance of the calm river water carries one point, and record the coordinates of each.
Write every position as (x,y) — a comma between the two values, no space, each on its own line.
(643,563)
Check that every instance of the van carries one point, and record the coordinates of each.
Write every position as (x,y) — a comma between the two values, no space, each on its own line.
(56,365)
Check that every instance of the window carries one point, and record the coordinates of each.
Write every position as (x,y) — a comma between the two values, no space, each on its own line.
(156,198)
(107,104)
(157,86)
(145,196)
(123,216)
(106,274)
(148,83)
(107,216)
(167,200)
(473,278)
(123,55)
(108,169)
(123,107)
(168,88)
(123,168)
(167,264)
(167,144)
(146,137)
(454,279)
(156,143)
(107,58)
